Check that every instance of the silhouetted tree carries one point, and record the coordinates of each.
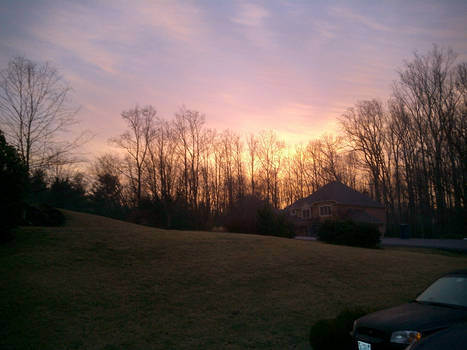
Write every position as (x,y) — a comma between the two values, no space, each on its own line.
(429,100)
(252,143)
(68,193)
(415,150)
(409,154)
(365,126)
(136,142)
(38,186)
(35,108)
(13,182)
(270,155)
(106,194)
(188,127)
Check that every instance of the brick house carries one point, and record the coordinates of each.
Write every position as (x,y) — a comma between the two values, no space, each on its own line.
(335,201)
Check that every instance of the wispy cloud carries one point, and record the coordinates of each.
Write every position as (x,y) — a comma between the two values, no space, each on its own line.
(126,32)
(324,29)
(290,65)
(180,20)
(352,16)
(73,30)
(252,22)
(251,15)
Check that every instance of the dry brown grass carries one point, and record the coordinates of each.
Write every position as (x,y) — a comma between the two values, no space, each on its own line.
(99,283)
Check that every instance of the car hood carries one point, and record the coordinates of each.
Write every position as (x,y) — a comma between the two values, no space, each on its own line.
(453,338)
(413,316)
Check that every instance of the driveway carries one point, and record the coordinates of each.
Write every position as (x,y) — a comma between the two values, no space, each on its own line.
(445,244)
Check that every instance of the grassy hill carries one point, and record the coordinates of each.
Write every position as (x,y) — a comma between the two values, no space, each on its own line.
(99,283)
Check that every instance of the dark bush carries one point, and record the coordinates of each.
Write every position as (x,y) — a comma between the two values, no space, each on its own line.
(43,215)
(350,233)
(170,214)
(38,190)
(253,215)
(13,185)
(180,216)
(271,222)
(241,217)
(106,197)
(335,333)
(68,193)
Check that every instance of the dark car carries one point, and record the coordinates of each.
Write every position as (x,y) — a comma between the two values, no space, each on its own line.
(442,305)
(452,338)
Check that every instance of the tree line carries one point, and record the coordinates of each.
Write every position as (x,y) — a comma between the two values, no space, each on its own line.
(408,153)
(181,164)
(414,147)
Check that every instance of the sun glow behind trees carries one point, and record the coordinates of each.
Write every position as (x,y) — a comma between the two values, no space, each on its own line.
(393,151)
(211,168)
(408,153)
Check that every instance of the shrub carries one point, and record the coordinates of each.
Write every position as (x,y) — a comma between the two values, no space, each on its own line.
(43,215)
(253,215)
(349,233)
(335,333)
(242,216)
(13,183)
(273,223)
(68,193)
(38,190)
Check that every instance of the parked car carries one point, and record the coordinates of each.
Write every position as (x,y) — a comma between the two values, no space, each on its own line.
(440,306)
(452,338)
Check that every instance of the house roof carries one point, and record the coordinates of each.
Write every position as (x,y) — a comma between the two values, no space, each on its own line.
(341,194)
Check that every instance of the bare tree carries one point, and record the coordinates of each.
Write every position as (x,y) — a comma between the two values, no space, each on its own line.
(314,167)
(207,171)
(229,162)
(298,169)
(415,152)
(35,108)
(270,150)
(252,143)
(331,148)
(161,163)
(188,126)
(430,97)
(107,189)
(136,142)
(364,126)
(458,137)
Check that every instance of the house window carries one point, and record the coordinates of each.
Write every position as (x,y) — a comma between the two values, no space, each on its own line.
(306,213)
(294,212)
(325,211)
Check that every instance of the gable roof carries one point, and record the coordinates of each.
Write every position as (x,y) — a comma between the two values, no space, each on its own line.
(340,193)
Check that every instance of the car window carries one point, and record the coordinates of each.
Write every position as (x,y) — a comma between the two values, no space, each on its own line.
(450,290)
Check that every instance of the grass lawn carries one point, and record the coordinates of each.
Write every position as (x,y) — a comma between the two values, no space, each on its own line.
(98,283)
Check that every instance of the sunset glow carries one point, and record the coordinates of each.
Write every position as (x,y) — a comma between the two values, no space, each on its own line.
(293,67)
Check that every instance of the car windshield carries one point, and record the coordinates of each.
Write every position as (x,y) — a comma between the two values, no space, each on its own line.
(450,290)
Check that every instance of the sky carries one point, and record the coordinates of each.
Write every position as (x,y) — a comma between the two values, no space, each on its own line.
(290,66)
